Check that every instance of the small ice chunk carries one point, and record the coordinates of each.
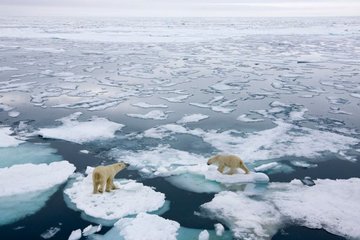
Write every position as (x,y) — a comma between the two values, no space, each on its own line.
(5,107)
(147,105)
(266,166)
(155,114)
(91,230)
(219,229)
(75,131)
(308,181)
(204,235)
(245,118)
(84,151)
(178,99)
(147,227)
(13,114)
(50,232)
(75,235)
(192,118)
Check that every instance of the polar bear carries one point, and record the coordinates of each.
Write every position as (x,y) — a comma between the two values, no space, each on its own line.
(105,175)
(231,161)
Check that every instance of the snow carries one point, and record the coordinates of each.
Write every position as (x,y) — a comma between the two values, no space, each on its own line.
(147,227)
(6,139)
(192,118)
(204,235)
(75,235)
(155,114)
(329,204)
(25,178)
(131,198)
(75,131)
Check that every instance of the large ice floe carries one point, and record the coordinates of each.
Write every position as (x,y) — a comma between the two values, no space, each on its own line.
(131,198)
(77,131)
(183,169)
(330,204)
(26,187)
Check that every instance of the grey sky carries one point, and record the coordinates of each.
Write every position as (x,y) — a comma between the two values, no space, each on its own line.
(180,8)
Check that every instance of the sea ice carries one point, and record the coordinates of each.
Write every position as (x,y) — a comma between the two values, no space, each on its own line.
(219,229)
(147,227)
(192,118)
(155,114)
(75,131)
(27,187)
(330,204)
(75,235)
(91,230)
(50,232)
(147,105)
(131,198)
(178,99)
(13,114)
(204,235)
(7,140)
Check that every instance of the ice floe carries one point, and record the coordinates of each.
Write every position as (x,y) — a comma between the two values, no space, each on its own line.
(75,235)
(147,105)
(81,131)
(330,204)
(147,227)
(27,187)
(178,99)
(2,69)
(204,235)
(155,115)
(192,118)
(7,140)
(131,198)
(24,178)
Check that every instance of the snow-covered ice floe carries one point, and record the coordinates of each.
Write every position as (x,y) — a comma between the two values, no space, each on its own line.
(76,131)
(149,226)
(26,188)
(155,115)
(184,170)
(192,118)
(131,198)
(330,204)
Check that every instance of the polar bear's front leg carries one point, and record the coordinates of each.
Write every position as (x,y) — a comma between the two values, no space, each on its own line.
(113,186)
(232,171)
(221,167)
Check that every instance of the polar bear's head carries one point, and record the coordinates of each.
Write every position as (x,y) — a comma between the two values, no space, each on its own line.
(213,160)
(120,166)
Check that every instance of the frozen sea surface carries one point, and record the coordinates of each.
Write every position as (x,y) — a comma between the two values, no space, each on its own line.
(165,95)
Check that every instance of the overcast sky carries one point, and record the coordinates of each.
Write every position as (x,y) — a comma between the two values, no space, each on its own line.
(180,8)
